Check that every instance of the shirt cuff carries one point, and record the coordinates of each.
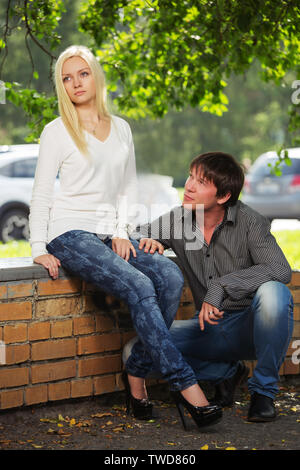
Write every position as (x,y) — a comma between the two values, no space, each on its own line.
(120,233)
(215,295)
(38,249)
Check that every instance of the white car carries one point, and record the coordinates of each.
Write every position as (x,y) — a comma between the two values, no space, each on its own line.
(275,197)
(17,169)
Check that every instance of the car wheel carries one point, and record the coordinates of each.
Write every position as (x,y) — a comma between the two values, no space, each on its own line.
(14,225)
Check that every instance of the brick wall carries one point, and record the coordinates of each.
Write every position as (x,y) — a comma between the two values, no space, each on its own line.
(63,339)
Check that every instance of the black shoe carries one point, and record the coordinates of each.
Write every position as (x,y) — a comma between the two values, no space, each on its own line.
(225,390)
(202,415)
(262,408)
(141,408)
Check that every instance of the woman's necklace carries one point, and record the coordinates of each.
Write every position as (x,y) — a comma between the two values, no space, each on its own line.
(93,131)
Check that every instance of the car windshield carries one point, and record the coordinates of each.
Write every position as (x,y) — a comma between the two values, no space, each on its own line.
(261,168)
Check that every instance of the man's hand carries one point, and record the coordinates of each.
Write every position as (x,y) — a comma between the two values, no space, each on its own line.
(123,247)
(209,314)
(151,246)
(49,262)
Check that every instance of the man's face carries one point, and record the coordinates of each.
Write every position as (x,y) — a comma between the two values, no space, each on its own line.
(198,190)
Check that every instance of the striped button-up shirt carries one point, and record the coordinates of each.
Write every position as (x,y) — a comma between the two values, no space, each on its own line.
(225,273)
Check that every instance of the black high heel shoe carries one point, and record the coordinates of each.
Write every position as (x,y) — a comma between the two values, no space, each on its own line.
(141,408)
(202,415)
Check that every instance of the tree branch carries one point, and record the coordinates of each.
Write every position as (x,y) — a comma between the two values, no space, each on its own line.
(29,30)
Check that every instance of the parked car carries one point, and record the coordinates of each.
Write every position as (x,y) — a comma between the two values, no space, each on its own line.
(276,197)
(17,169)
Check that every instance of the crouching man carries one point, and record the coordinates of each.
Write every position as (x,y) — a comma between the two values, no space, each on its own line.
(237,274)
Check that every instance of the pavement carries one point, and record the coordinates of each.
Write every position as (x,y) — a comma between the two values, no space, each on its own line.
(100,423)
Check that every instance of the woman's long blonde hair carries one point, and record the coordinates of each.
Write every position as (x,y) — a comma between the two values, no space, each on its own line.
(66,108)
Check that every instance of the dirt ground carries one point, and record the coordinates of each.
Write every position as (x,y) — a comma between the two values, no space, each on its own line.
(101,424)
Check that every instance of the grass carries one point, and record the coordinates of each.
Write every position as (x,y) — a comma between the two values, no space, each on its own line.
(288,240)
(15,249)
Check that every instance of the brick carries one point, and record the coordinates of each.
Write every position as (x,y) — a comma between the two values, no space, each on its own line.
(59,286)
(296,295)
(20,289)
(3,292)
(11,399)
(81,388)
(98,343)
(127,336)
(290,368)
(61,329)
(53,349)
(14,377)
(186,295)
(104,323)
(38,331)
(16,333)
(105,384)
(36,394)
(185,312)
(15,311)
(297,312)
(296,330)
(99,365)
(53,371)
(295,281)
(58,307)
(17,353)
(59,391)
(84,325)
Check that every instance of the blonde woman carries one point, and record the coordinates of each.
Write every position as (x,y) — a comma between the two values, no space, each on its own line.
(85,227)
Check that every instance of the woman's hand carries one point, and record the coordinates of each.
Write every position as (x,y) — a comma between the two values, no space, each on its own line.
(151,245)
(123,247)
(209,314)
(50,262)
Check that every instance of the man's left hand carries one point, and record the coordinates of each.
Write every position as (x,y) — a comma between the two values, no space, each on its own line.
(151,246)
(209,314)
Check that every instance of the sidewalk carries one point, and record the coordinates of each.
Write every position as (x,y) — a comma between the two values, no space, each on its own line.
(101,424)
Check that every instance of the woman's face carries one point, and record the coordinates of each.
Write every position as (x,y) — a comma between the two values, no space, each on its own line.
(78,80)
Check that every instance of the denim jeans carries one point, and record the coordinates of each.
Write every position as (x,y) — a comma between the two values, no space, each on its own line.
(262,331)
(150,284)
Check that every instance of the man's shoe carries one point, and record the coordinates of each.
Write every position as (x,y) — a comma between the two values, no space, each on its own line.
(225,390)
(262,408)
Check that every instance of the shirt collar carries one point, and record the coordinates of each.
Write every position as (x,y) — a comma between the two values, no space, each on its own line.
(230,214)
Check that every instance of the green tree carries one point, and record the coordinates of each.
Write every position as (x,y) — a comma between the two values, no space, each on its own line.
(162,55)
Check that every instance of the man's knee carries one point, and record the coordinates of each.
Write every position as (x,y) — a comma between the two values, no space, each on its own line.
(275,300)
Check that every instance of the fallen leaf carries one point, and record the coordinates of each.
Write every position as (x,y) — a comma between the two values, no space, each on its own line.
(101,415)
(205,447)
(230,448)
(119,429)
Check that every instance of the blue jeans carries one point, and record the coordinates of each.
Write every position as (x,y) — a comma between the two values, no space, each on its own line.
(262,331)
(150,284)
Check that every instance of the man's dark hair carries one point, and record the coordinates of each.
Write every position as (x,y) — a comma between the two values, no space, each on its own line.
(224,171)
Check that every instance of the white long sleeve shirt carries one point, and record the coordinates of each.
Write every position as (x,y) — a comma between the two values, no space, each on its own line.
(95,194)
